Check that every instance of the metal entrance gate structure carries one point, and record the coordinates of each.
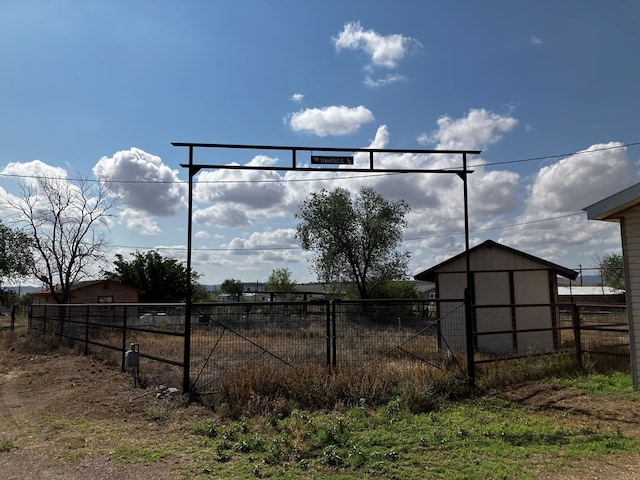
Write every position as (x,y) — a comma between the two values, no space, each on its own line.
(194,168)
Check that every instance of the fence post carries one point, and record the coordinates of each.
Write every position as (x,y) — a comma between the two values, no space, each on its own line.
(86,332)
(575,319)
(333,334)
(13,317)
(124,337)
(327,314)
(334,337)
(468,316)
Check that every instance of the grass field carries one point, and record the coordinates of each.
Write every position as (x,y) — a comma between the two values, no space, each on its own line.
(73,410)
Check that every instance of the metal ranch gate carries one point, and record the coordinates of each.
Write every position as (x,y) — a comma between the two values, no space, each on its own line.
(338,157)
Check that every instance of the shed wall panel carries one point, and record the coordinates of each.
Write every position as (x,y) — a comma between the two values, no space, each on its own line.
(452,328)
(532,287)
(492,288)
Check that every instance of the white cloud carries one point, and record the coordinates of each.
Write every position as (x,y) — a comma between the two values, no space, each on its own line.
(7,199)
(282,237)
(475,131)
(297,97)
(382,51)
(207,258)
(493,192)
(333,120)
(139,221)
(256,261)
(247,193)
(36,175)
(382,82)
(35,168)
(381,140)
(582,179)
(566,187)
(221,216)
(147,184)
(535,40)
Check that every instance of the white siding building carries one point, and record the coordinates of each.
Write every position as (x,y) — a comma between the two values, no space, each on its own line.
(624,208)
(512,291)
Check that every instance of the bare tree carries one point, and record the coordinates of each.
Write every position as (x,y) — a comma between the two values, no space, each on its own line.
(68,222)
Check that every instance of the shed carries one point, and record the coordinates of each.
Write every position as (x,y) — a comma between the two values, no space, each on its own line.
(93,291)
(624,207)
(511,291)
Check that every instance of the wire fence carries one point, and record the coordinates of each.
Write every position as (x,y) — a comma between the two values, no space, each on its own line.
(14,317)
(339,335)
(604,330)
(232,335)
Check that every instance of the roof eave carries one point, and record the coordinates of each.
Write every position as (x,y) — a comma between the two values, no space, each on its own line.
(609,209)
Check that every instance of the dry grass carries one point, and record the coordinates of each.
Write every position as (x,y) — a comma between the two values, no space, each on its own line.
(268,389)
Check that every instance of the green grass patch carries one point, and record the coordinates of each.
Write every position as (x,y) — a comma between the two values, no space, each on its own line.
(141,453)
(602,384)
(472,439)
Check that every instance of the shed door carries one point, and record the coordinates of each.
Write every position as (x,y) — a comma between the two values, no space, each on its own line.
(532,287)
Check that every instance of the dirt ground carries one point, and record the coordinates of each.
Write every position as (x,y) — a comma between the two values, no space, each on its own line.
(99,411)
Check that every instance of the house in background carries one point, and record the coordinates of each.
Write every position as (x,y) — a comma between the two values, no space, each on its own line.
(512,291)
(624,207)
(590,294)
(93,291)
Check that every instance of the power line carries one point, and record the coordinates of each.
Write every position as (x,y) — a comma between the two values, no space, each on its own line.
(164,182)
(560,155)
(259,249)
(530,222)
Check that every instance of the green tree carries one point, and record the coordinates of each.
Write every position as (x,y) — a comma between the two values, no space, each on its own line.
(280,281)
(398,289)
(163,279)
(612,271)
(232,287)
(16,257)
(355,240)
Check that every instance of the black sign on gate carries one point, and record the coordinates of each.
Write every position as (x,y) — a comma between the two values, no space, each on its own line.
(331,160)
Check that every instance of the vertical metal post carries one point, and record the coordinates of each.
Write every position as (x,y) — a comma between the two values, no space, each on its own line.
(469,294)
(334,344)
(575,320)
(327,312)
(124,335)
(86,331)
(186,374)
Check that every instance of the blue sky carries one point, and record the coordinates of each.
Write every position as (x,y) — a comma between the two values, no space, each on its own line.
(101,89)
